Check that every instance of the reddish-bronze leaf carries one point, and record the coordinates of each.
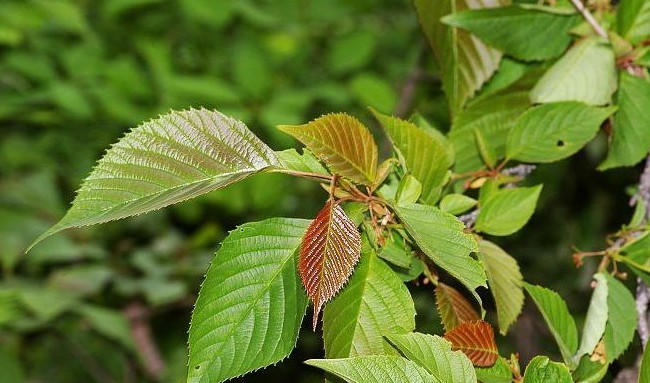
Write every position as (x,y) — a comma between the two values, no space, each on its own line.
(476,340)
(328,252)
(454,309)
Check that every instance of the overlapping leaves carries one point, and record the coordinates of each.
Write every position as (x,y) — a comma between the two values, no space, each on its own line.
(342,142)
(453,307)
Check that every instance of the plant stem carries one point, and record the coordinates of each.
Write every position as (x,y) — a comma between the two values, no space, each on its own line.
(316,176)
(589,18)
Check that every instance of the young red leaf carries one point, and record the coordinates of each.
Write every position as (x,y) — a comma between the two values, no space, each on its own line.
(476,340)
(329,250)
(454,309)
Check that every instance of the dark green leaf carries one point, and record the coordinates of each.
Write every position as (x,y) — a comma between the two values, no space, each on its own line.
(557,317)
(442,238)
(621,321)
(505,211)
(542,370)
(630,141)
(524,33)
(554,131)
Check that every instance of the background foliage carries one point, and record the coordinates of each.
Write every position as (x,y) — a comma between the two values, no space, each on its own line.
(75,75)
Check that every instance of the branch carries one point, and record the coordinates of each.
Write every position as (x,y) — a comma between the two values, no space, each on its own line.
(138,316)
(589,18)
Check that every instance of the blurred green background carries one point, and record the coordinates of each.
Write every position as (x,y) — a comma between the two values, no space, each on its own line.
(112,303)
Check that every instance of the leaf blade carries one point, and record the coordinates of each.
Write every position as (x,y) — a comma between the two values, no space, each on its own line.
(328,252)
(505,282)
(541,370)
(222,344)
(505,211)
(476,340)
(621,319)
(374,369)
(453,308)
(178,156)
(342,142)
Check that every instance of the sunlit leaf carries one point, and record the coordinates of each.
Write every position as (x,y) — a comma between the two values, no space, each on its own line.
(374,369)
(554,131)
(466,63)
(556,315)
(342,142)
(374,302)
(543,370)
(423,155)
(453,308)
(633,19)
(476,340)
(434,354)
(442,238)
(328,252)
(457,203)
(524,33)
(505,281)
(630,141)
(499,372)
(290,159)
(621,318)
(505,211)
(644,372)
(586,73)
(176,157)
(590,371)
(594,326)
(251,304)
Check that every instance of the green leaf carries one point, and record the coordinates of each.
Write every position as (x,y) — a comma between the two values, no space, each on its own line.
(457,203)
(505,211)
(466,63)
(557,318)
(644,372)
(46,303)
(587,73)
(453,308)
(178,156)
(630,141)
(633,19)
(341,142)
(434,354)
(290,159)
(505,281)
(251,304)
(374,369)
(421,153)
(621,321)
(594,326)
(408,190)
(554,131)
(374,302)
(396,252)
(543,370)
(499,372)
(442,238)
(589,371)
(492,116)
(524,33)
(374,91)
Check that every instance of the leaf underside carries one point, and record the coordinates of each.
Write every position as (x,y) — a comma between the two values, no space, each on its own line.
(328,252)
(342,142)
(178,156)
(476,340)
(453,308)
(251,304)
